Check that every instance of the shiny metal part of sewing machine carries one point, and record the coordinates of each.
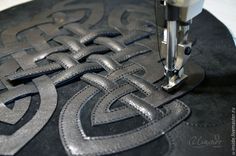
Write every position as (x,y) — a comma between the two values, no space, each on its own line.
(176,16)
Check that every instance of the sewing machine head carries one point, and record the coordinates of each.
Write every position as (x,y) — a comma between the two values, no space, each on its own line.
(178,15)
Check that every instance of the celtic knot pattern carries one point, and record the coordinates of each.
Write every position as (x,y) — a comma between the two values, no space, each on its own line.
(117,60)
(119,84)
(55,48)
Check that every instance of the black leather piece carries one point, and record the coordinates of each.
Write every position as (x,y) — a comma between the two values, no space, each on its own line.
(136,43)
(12,143)
(66,61)
(70,42)
(99,81)
(12,116)
(90,50)
(112,44)
(17,92)
(101,113)
(76,142)
(33,72)
(98,33)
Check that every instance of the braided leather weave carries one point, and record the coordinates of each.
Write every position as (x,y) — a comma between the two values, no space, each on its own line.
(118,63)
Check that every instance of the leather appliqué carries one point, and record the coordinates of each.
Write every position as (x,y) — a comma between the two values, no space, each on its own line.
(119,84)
(114,56)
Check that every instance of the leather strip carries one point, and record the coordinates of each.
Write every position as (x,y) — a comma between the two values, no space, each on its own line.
(67,48)
(9,145)
(76,142)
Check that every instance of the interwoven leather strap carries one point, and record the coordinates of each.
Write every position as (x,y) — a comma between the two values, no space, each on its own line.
(64,45)
(68,53)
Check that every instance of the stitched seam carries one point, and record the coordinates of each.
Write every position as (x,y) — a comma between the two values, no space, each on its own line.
(99,85)
(74,73)
(110,102)
(185,109)
(171,144)
(36,70)
(62,117)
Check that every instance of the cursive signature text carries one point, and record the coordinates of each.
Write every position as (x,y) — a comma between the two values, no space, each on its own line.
(201,142)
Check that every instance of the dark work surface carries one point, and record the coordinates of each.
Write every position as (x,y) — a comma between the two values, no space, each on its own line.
(211,103)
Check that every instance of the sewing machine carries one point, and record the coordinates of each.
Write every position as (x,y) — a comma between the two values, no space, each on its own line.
(175,16)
